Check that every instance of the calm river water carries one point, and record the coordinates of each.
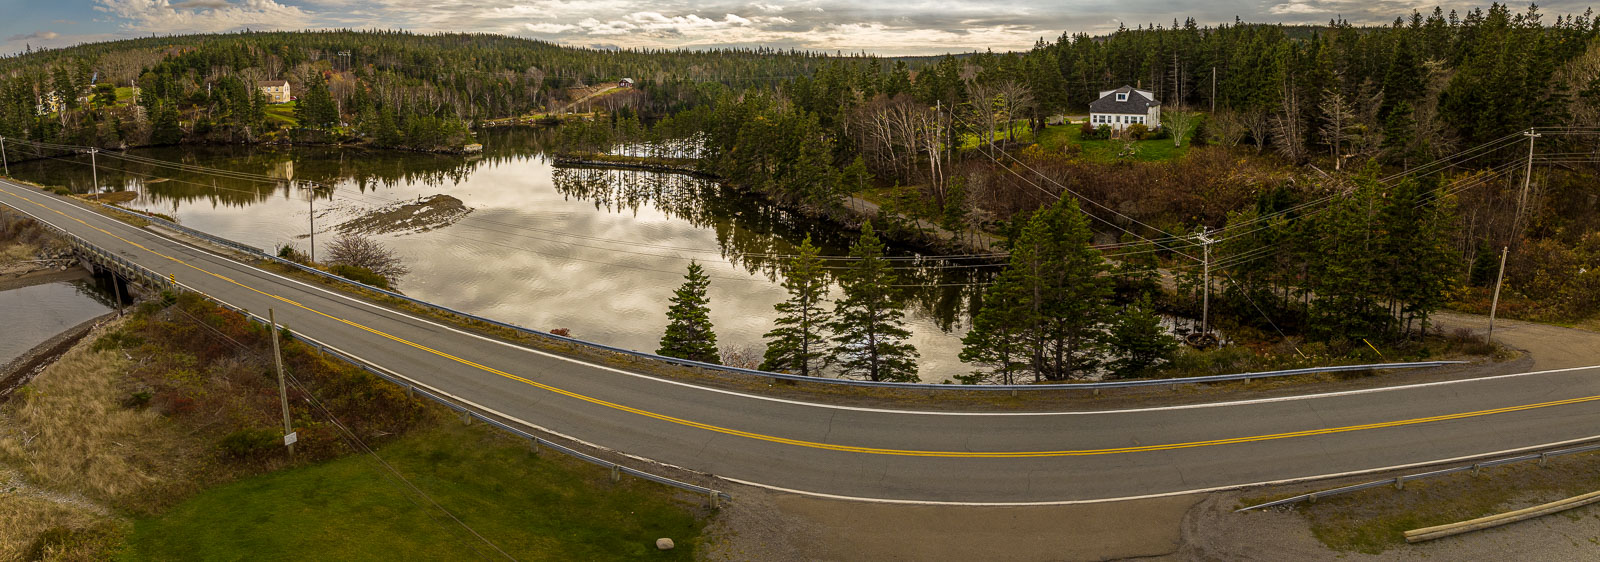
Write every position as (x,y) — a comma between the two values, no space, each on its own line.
(30,315)
(595,251)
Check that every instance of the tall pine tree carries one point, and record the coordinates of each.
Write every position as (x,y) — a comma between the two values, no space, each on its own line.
(689,334)
(1051,305)
(869,326)
(797,345)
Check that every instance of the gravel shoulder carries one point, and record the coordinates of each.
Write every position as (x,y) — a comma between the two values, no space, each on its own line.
(764,525)
(1551,347)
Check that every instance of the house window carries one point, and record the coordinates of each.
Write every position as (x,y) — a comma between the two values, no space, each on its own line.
(1122,97)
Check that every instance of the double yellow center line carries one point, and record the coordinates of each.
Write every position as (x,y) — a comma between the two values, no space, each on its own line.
(831,446)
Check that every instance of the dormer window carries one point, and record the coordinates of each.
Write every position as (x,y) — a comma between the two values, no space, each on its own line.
(1122,97)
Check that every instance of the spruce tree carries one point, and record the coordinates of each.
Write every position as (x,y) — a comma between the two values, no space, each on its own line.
(796,345)
(689,334)
(999,339)
(869,326)
(1050,305)
(1138,340)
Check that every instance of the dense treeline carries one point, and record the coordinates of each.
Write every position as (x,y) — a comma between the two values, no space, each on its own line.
(393,89)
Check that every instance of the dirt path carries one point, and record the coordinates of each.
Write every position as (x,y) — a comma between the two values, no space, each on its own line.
(1552,347)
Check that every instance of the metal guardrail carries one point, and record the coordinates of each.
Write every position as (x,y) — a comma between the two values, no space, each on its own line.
(1094,386)
(1399,482)
(712,495)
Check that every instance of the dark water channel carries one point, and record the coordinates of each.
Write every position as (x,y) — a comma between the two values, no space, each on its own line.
(595,251)
(32,315)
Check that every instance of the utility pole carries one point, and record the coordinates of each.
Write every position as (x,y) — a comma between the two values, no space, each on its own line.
(3,158)
(1213,89)
(1205,306)
(1527,177)
(94,170)
(1495,305)
(283,390)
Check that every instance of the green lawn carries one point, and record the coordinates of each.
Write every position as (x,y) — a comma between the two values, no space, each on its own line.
(283,112)
(1019,131)
(534,507)
(1054,137)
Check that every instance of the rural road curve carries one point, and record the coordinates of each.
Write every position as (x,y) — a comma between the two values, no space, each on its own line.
(946,456)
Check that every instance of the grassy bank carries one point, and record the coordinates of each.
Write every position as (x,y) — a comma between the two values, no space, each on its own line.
(532,507)
(1065,138)
(1372,521)
(160,440)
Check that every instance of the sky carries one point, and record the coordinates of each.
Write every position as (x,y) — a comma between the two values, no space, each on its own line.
(888,27)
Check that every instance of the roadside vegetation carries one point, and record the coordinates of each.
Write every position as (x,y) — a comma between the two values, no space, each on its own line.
(161,439)
(1373,521)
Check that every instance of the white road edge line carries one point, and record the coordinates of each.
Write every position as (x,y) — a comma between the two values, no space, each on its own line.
(823,495)
(573,360)
(902,501)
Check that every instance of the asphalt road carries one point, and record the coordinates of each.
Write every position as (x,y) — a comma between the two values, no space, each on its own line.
(887,454)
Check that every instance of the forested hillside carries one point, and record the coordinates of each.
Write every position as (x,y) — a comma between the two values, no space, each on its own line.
(399,88)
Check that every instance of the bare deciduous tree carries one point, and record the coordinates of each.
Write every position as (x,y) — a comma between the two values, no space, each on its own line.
(1226,128)
(359,251)
(1258,123)
(1179,123)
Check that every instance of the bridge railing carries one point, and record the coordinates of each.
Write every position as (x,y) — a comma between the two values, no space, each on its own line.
(1092,386)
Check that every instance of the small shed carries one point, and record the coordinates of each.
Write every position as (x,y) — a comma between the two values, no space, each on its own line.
(625,83)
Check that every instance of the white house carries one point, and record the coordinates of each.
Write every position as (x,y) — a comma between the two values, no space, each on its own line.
(1125,106)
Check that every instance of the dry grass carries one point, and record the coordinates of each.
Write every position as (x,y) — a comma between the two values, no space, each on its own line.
(15,252)
(28,514)
(69,432)
(72,454)
(69,449)
(1375,520)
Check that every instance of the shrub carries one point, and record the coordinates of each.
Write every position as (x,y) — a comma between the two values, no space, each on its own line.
(1137,131)
(246,443)
(1087,131)
(355,250)
(360,275)
(291,253)
(116,340)
(1102,132)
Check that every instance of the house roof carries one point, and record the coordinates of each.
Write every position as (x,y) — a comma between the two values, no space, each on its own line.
(273,83)
(1138,102)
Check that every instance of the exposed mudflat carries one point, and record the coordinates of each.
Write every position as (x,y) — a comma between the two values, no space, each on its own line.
(421,215)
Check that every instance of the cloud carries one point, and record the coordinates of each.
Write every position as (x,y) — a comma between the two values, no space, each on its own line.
(882,26)
(201,5)
(203,16)
(37,35)
(1295,8)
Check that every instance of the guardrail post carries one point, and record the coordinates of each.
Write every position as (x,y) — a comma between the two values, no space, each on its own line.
(1097,391)
(1399,482)
(1543,459)
(1311,497)
(616,472)
(716,500)
(1475,468)
(411,391)
(533,444)
(466,418)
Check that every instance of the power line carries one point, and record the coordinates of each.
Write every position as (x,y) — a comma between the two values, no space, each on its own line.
(354,441)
